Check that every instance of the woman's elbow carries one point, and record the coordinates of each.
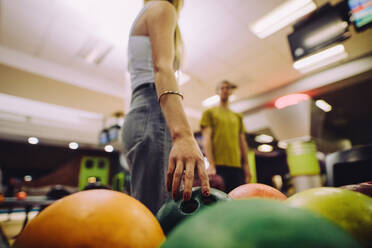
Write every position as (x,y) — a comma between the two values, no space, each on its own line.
(163,68)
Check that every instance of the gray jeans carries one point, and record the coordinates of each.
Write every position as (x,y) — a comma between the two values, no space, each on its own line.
(147,143)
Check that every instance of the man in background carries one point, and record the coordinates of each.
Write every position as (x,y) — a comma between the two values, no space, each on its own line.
(224,141)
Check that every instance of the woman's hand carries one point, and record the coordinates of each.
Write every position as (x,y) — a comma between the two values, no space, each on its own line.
(184,156)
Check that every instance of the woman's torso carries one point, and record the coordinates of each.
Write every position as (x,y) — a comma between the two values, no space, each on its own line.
(140,64)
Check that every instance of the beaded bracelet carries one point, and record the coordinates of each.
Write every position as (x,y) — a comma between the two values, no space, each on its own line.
(170,92)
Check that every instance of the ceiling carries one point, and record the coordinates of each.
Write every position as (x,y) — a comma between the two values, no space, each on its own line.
(49,90)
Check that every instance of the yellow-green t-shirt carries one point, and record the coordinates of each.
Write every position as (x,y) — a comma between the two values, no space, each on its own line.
(226,128)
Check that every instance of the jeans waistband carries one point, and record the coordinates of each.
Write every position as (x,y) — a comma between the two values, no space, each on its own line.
(143,86)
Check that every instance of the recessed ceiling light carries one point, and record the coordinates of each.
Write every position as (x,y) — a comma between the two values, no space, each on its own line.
(28,178)
(263,138)
(33,140)
(73,145)
(323,105)
(265,148)
(109,148)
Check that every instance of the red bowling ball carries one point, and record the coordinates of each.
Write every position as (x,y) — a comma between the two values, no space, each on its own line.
(215,181)
(251,190)
(364,188)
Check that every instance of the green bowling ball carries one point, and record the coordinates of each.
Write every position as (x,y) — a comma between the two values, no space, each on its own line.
(258,223)
(173,212)
(351,210)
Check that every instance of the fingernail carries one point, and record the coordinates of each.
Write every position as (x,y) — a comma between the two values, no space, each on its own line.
(186,196)
(176,196)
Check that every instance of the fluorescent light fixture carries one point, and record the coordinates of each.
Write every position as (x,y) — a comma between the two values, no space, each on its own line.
(73,145)
(323,35)
(94,51)
(282,16)
(210,101)
(33,140)
(214,100)
(265,148)
(263,138)
(109,148)
(98,54)
(320,59)
(289,100)
(182,77)
(323,105)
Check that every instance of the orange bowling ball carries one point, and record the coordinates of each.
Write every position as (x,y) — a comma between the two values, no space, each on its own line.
(93,218)
(256,190)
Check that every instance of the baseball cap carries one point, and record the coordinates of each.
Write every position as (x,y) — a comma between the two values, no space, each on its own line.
(231,85)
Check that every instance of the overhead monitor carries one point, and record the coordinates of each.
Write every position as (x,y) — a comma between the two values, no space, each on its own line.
(328,25)
(103,137)
(114,132)
(361,13)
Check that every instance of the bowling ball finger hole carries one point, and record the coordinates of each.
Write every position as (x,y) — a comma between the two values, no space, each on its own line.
(209,200)
(190,206)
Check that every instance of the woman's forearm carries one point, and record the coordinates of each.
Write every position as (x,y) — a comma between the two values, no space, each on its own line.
(171,104)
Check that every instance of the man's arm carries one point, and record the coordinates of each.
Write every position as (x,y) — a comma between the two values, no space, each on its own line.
(208,148)
(244,152)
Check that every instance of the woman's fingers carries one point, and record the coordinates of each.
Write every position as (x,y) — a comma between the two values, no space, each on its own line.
(177,177)
(204,180)
(171,168)
(183,158)
(189,179)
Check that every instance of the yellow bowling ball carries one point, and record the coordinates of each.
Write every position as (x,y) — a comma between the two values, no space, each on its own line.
(351,210)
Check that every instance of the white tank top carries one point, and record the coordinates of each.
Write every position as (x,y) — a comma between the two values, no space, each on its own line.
(140,63)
